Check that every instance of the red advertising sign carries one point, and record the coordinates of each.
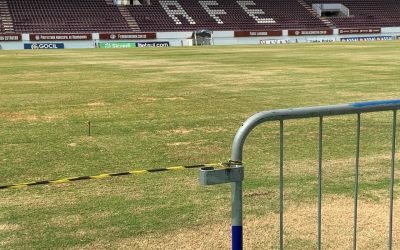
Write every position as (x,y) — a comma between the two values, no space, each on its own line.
(10,38)
(360,31)
(258,33)
(59,37)
(127,36)
(310,32)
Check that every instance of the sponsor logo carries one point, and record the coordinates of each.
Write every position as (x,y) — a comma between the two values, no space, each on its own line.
(59,37)
(43,46)
(114,45)
(10,38)
(367,38)
(274,41)
(310,32)
(127,36)
(360,31)
(152,44)
(321,40)
(132,36)
(258,33)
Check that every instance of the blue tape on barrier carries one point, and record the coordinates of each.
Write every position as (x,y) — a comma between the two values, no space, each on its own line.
(237,237)
(374,103)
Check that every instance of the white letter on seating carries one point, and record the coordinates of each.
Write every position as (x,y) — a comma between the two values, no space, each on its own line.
(213,12)
(254,12)
(177,11)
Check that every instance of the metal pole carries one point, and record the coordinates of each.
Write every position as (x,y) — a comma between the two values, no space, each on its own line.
(356,181)
(320,183)
(392,178)
(281,185)
(237,228)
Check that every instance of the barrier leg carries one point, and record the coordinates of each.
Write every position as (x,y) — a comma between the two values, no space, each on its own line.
(237,226)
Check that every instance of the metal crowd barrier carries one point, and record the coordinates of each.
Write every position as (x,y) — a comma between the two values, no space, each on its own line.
(235,173)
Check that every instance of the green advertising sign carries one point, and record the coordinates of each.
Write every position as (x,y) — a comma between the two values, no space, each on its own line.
(116,45)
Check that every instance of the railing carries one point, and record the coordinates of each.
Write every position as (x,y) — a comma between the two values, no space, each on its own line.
(298,113)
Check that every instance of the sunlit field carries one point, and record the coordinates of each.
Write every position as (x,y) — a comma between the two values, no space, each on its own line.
(163,107)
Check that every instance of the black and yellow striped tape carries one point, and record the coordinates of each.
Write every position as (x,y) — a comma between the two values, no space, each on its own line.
(108,175)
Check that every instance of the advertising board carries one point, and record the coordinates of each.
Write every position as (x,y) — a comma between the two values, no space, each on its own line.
(310,32)
(152,44)
(43,46)
(274,41)
(126,36)
(10,38)
(59,37)
(116,45)
(258,33)
(360,31)
(367,38)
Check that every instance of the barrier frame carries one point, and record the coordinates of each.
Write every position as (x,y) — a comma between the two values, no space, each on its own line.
(308,112)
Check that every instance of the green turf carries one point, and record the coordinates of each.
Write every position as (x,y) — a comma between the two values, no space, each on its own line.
(160,107)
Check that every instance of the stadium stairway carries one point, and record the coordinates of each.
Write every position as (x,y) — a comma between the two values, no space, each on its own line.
(129,18)
(5,18)
(314,13)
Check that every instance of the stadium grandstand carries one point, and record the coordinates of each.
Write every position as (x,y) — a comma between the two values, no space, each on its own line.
(25,16)
(278,17)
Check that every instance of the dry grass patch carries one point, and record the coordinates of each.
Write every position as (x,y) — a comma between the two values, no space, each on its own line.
(126,63)
(212,237)
(29,200)
(184,67)
(66,221)
(18,116)
(178,131)
(180,143)
(307,70)
(174,98)
(146,99)
(8,241)
(371,167)
(381,57)
(9,227)
(85,232)
(97,245)
(100,215)
(300,226)
(213,129)
(184,131)
(97,104)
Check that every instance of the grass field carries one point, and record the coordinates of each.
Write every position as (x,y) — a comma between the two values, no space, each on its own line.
(181,106)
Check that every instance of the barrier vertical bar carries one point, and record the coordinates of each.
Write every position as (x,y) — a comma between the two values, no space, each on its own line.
(319,183)
(237,228)
(281,186)
(392,178)
(356,181)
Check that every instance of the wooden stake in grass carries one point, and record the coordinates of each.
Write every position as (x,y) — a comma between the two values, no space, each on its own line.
(89,128)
